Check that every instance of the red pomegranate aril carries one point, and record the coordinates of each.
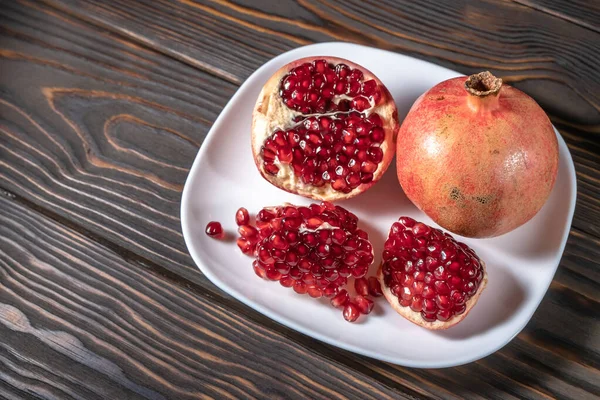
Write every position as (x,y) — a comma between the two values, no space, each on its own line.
(258,270)
(429,271)
(417,304)
(374,287)
(429,317)
(366,178)
(314,292)
(361,286)
(351,312)
(340,299)
(215,230)
(368,167)
(282,267)
(300,287)
(375,154)
(248,231)
(459,309)
(364,304)
(286,281)
(246,246)
(242,217)
(296,274)
(271,168)
(359,271)
(273,275)
(444,315)
(330,290)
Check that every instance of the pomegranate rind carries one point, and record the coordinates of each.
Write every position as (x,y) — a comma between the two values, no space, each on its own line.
(270,113)
(477,173)
(416,318)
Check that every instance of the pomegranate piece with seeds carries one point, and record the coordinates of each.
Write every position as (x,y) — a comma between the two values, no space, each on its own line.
(428,277)
(313,250)
(324,128)
(215,230)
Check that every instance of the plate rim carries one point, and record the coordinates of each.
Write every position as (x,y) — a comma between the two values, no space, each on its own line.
(186,231)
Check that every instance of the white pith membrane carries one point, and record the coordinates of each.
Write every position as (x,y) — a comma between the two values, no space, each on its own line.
(271,114)
(416,317)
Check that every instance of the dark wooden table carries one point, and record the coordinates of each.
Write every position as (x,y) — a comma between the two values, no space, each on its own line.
(103,106)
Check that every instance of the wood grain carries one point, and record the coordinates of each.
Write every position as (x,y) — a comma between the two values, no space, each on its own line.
(65,300)
(551,59)
(99,123)
(79,321)
(580,12)
(535,51)
(101,130)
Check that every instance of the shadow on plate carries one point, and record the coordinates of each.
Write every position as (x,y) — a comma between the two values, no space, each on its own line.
(385,197)
(498,302)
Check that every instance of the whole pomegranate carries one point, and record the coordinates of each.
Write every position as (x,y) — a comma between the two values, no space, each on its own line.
(478,157)
(428,277)
(324,128)
(313,250)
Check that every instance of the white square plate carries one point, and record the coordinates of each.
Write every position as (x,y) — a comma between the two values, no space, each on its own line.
(223,178)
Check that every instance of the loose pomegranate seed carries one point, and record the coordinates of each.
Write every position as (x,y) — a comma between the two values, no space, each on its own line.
(374,287)
(362,286)
(311,146)
(351,312)
(215,230)
(242,217)
(429,271)
(312,250)
(364,304)
(340,299)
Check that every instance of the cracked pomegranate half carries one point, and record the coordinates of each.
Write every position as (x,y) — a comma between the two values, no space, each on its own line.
(324,128)
(428,277)
(314,250)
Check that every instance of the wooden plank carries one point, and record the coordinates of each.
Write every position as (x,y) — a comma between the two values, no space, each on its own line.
(79,321)
(580,12)
(45,159)
(536,52)
(101,130)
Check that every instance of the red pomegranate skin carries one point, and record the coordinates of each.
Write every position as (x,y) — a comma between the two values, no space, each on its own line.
(479,166)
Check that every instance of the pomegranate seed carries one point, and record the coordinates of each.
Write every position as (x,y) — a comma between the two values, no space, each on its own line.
(286,281)
(215,230)
(360,103)
(340,299)
(300,287)
(330,290)
(273,275)
(248,231)
(242,217)
(362,286)
(271,168)
(258,270)
(351,312)
(374,287)
(429,271)
(417,304)
(365,305)
(245,245)
(314,291)
(368,87)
